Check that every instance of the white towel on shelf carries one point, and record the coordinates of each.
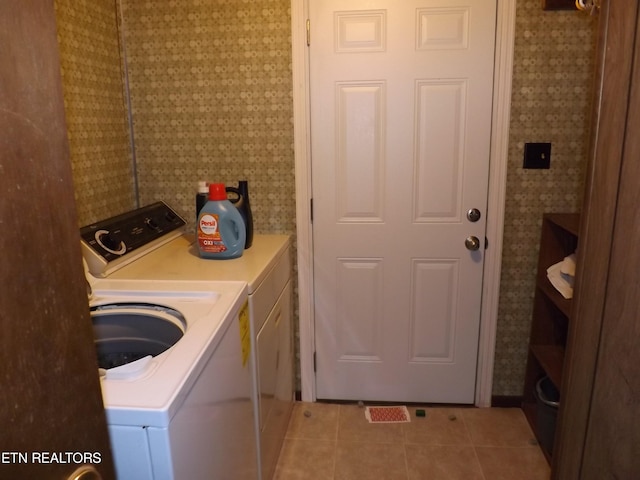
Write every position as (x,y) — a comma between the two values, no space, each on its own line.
(568,266)
(561,281)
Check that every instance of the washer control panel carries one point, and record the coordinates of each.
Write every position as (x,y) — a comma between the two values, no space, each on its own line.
(127,235)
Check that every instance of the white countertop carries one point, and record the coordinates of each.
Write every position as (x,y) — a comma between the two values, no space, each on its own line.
(179,260)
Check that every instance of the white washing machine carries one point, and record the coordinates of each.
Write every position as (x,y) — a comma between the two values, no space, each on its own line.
(266,269)
(176,373)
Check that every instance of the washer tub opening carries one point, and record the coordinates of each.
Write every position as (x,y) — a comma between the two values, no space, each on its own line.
(127,332)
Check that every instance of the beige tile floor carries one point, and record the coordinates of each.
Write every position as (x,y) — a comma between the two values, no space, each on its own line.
(335,442)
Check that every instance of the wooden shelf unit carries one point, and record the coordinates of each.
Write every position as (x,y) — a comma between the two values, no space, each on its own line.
(551,312)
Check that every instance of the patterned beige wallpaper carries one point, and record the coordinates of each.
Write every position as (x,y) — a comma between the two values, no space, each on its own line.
(211,98)
(95,108)
(552,84)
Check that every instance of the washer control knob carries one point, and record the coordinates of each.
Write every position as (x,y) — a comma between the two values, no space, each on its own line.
(110,243)
(151,223)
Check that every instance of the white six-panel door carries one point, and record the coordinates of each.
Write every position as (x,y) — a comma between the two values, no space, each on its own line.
(401,97)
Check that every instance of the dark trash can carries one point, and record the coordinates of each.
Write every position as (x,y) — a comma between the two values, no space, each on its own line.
(547,399)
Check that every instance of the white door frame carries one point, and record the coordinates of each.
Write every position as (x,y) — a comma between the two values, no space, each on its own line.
(505,35)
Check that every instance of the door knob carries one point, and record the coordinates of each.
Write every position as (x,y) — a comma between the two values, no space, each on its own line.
(472,243)
(473,215)
(86,472)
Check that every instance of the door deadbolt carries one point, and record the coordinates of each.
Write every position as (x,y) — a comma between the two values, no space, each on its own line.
(473,215)
(472,243)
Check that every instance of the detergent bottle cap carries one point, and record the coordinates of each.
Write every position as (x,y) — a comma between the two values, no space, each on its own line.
(203,187)
(217,191)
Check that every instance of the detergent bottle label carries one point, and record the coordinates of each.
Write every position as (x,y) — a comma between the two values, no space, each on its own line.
(209,238)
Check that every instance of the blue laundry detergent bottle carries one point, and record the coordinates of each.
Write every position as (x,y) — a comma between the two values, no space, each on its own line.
(221,230)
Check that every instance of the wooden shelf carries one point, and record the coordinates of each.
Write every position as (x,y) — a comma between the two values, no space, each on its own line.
(563,304)
(567,221)
(551,314)
(551,359)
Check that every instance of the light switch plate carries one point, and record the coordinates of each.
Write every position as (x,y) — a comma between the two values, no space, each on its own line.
(537,155)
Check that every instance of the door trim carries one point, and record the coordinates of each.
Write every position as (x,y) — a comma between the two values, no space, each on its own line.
(505,36)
